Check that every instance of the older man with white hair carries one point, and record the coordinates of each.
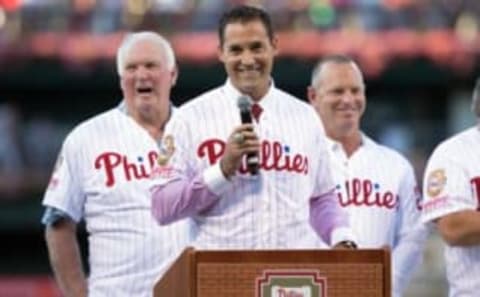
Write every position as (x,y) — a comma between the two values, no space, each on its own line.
(102,176)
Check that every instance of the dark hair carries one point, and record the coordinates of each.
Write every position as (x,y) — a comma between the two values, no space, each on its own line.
(244,14)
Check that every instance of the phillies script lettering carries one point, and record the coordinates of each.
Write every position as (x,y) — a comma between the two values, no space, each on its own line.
(273,156)
(116,165)
(286,293)
(365,192)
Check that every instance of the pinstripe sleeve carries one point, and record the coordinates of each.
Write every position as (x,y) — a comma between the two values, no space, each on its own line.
(179,190)
(64,191)
(327,218)
(410,236)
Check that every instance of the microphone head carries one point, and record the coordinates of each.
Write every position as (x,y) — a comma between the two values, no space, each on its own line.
(244,103)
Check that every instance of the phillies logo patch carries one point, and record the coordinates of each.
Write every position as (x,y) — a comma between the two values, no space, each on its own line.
(166,148)
(273,156)
(436,182)
(291,283)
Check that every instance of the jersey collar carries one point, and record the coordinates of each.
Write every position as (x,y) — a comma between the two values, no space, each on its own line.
(122,107)
(335,146)
(266,102)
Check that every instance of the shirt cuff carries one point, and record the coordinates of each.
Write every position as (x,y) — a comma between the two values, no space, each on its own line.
(53,215)
(216,182)
(342,234)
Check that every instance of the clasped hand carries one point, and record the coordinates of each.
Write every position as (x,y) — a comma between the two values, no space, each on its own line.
(242,141)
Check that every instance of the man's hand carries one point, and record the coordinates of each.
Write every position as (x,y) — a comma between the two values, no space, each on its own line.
(241,142)
(345,245)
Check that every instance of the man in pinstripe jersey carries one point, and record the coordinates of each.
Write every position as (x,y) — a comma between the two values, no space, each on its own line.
(375,184)
(452,204)
(102,176)
(207,177)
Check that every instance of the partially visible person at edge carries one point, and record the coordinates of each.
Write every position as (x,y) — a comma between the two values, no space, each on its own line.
(374,184)
(207,176)
(452,204)
(102,177)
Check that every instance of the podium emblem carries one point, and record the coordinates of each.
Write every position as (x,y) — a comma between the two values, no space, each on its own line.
(291,283)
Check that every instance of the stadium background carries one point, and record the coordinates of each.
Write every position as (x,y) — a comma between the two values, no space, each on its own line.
(57,68)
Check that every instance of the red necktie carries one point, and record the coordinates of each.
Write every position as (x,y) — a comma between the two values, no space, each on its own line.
(256,111)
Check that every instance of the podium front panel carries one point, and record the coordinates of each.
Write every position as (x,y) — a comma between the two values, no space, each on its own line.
(274,273)
(341,280)
(253,273)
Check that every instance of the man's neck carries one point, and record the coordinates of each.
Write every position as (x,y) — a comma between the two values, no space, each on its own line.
(256,94)
(154,123)
(157,126)
(256,97)
(155,131)
(350,141)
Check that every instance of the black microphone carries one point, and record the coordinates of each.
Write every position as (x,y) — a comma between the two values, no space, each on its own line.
(244,103)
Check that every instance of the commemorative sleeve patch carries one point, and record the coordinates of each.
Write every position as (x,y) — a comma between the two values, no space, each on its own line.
(166,150)
(436,182)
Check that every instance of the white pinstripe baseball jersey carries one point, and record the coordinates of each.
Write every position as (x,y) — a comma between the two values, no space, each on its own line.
(103,177)
(271,209)
(451,184)
(377,186)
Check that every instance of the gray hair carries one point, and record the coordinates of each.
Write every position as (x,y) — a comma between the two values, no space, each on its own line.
(133,38)
(338,59)
(476,99)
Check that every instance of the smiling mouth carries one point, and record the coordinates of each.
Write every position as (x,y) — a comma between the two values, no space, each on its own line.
(144,90)
(249,72)
(347,112)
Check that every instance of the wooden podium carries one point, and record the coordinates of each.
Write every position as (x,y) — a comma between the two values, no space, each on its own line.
(279,273)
